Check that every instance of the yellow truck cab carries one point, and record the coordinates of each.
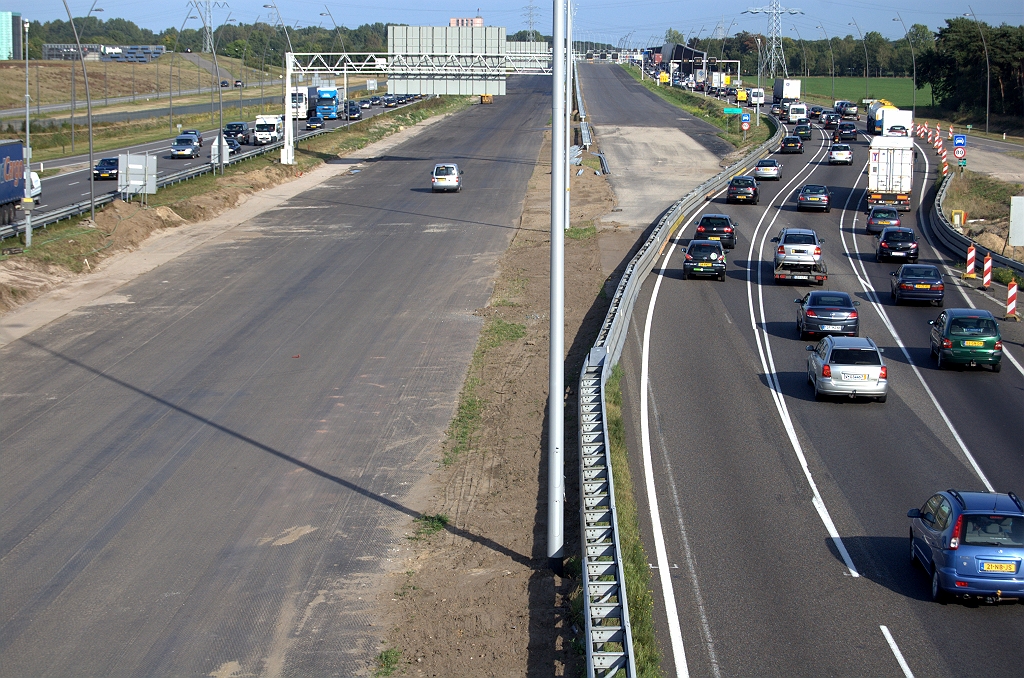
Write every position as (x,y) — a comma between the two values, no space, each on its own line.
(741,95)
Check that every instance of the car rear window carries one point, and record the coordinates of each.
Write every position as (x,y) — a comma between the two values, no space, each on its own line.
(885,214)
(829,300)
(815,190)
(972,326)
(768,163)
(990,530)
(444,171)
(899,236)
(840,147)
(743,183)
(705,251)
(922,272)
(717,222)
(799,239)
(855,356)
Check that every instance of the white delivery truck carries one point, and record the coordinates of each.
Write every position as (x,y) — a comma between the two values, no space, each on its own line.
(269,129)
(899,118)
(890,172)
(785,90)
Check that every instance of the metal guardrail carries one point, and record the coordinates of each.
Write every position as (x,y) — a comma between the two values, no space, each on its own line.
(609,641)
(957,242)
(586,135)
(46,218)
(579,92)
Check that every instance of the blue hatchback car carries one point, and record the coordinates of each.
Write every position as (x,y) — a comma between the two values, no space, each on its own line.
(972,545)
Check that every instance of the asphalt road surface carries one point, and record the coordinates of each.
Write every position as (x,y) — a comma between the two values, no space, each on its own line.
(754,478)
(212,465)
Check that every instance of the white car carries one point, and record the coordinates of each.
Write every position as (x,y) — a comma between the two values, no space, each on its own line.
(840,154)
(446,177)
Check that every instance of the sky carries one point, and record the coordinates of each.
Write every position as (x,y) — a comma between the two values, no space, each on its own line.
(600,20)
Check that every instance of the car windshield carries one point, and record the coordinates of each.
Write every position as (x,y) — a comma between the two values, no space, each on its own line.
(885,214)
(108,162)
(855,356)
(184,141)
(705,251)
(831,299)
(265,127)
(840,147)
(899,236)
(444,171)
(971,327)
(715,222)
(743,183)
(922,272)
(803,128)
(799,239)
(989,530)
(815,190)
(235,127)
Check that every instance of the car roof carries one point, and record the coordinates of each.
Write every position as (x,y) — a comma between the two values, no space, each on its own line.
(968,312)
(890,208)
(790,229)
(719,216)
(108,159)
(988,501)
(852,342)
(897,229)
(769,161)
(717,243)
(743,176)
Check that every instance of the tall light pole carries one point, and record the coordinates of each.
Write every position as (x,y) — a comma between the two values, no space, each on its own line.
(337,30)
(833,57)
(912,58)
(88,104)
(726,37)
(803,47)
(170,93)
(854,23)
(245,51)
(988,66)
(757,106)
(28,151)
(221,148)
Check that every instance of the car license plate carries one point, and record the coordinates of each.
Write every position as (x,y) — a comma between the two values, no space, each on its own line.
(974,343)
(922,287)
(714,237)
(848,376)
(799,251)
(814,199)
(831,328)
(898,254)
(799,277)
(104,175)
(998,567)
(703,265)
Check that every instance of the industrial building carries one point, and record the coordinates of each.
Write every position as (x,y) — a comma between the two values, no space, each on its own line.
(10,36)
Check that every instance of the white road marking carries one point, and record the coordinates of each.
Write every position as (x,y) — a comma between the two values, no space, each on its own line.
(74,182)
(896,651)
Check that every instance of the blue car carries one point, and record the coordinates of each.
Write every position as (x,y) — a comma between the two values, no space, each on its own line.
(972,545)
(917,282)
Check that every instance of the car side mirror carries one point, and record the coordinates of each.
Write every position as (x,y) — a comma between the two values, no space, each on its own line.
(774,240)
(798,301)
(808,348)
(821,242)
(931,322)
(914,513)
(892,273)
(856,303)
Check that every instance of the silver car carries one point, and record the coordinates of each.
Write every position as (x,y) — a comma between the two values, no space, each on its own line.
(847,366)
(769,168)
(840,154)
(446,177)
(797,246)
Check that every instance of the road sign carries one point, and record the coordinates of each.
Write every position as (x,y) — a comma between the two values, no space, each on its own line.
(733,111)
(963,163)
(745,117)
(959,152)
(959,139)
(744,126)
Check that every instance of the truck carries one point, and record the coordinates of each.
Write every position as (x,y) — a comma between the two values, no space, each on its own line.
(327,102)
(302,100)
(875,115)
(890,172)
(896,116)
(786,90)
(12,183)
(269,129)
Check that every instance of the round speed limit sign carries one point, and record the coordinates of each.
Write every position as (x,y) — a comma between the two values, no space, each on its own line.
(744,126)
(959,152)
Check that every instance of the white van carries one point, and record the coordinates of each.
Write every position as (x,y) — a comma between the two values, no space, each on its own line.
(797,111)
(756,96)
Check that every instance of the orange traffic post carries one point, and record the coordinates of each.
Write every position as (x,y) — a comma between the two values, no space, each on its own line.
(1011,301)
(969,273)
(986,276)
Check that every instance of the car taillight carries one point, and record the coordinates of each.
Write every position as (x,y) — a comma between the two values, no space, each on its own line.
(727,229)
(802,198)
(853,314)
(999,346)
(826,371)
(884,373)
(946,343)
(954,541)
(938,287)
(817,251)
(885,245)
(781,250)
(700,229)
(906,286)
(689,258)
(811,313)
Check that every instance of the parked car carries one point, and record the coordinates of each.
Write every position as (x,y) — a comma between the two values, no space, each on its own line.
(742,188)
(196,133)
(791,144)
(966,336)
(718,227)
(971,544)
(769,168)
(185,146)
(106,168)
(847,131)
(315,122)
(803,131)
(238,131)
(446,177)
(880,217)
(917,282)
(827,313)
(847,366)
(896,242)
(704,258)
(814,197)
(840,154)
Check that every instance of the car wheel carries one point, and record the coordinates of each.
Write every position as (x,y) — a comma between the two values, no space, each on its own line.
(882,399)
(940,303)
(895,298)
(939,364)
(721,278)
(828,210)
(996,367)
(938,595)
(818,395)
(913,552)
(878,257)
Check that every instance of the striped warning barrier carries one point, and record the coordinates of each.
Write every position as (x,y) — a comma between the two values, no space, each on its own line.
(1011,301)
(945,169)
(969,273)
(986,276)
(950,136)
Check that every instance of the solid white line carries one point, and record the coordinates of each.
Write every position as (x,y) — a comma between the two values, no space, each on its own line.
(872,297)
(896,651)
(661,555)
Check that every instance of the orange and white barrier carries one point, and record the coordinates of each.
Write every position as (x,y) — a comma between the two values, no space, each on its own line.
(970,263)
(1011,301)
(950,137)
(945,169)
(986,276)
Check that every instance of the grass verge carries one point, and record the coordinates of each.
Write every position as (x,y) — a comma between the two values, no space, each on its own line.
(638,574)
(710,110)
(428,525)
(387,662)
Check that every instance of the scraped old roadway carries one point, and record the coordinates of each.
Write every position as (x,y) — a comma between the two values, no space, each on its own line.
(204,471)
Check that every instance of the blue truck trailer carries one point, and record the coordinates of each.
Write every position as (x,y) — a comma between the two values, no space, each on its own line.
(12,181)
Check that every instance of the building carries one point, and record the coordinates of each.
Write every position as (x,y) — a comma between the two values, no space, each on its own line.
(69,51)
(474,22)
(10,36)
(141,54)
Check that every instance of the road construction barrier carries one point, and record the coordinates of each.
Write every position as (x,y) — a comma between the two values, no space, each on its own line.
(986,276)
(1011,301)
(945,169)
(969,273)
(949,137)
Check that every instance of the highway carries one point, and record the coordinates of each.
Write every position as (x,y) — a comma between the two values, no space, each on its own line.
(209,470)
(783,518)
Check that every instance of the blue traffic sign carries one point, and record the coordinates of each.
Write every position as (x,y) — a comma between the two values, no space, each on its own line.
(959,139)
(745,117)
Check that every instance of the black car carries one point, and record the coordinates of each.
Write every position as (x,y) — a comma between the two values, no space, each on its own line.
(718,227)
(742,188)
(239,131)
(354,112)
(225,83)
(814,197)
(815,112)
(314,122)
(917,282)
(196,133)
(829,119)
(704,257)
(802,131)
(896,242)
(847,131)
(376,101)
(827,313)
(791,145)
(106,168)
(233,145)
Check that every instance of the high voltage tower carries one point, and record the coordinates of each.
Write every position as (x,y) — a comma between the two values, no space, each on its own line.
(530,14)
(774,60)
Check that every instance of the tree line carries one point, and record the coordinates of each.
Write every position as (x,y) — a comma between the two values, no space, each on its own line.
(951,60)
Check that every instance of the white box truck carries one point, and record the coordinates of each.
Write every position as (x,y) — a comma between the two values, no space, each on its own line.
(786,90)
(269,129)
(890,172)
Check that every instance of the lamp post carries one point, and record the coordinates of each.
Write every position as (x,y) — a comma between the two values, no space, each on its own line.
(806,70)
(245,51)
(726,37)
(831,56)
(28,151)
(88,104)
(854,23)
(988,66)
(912,58)
(337,31)
(221,148)
(757,105)
(170,92)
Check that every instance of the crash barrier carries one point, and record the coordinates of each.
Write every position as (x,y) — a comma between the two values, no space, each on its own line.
(43,219)
(579,92)
(1011,301)
(608,638)
(586,135)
